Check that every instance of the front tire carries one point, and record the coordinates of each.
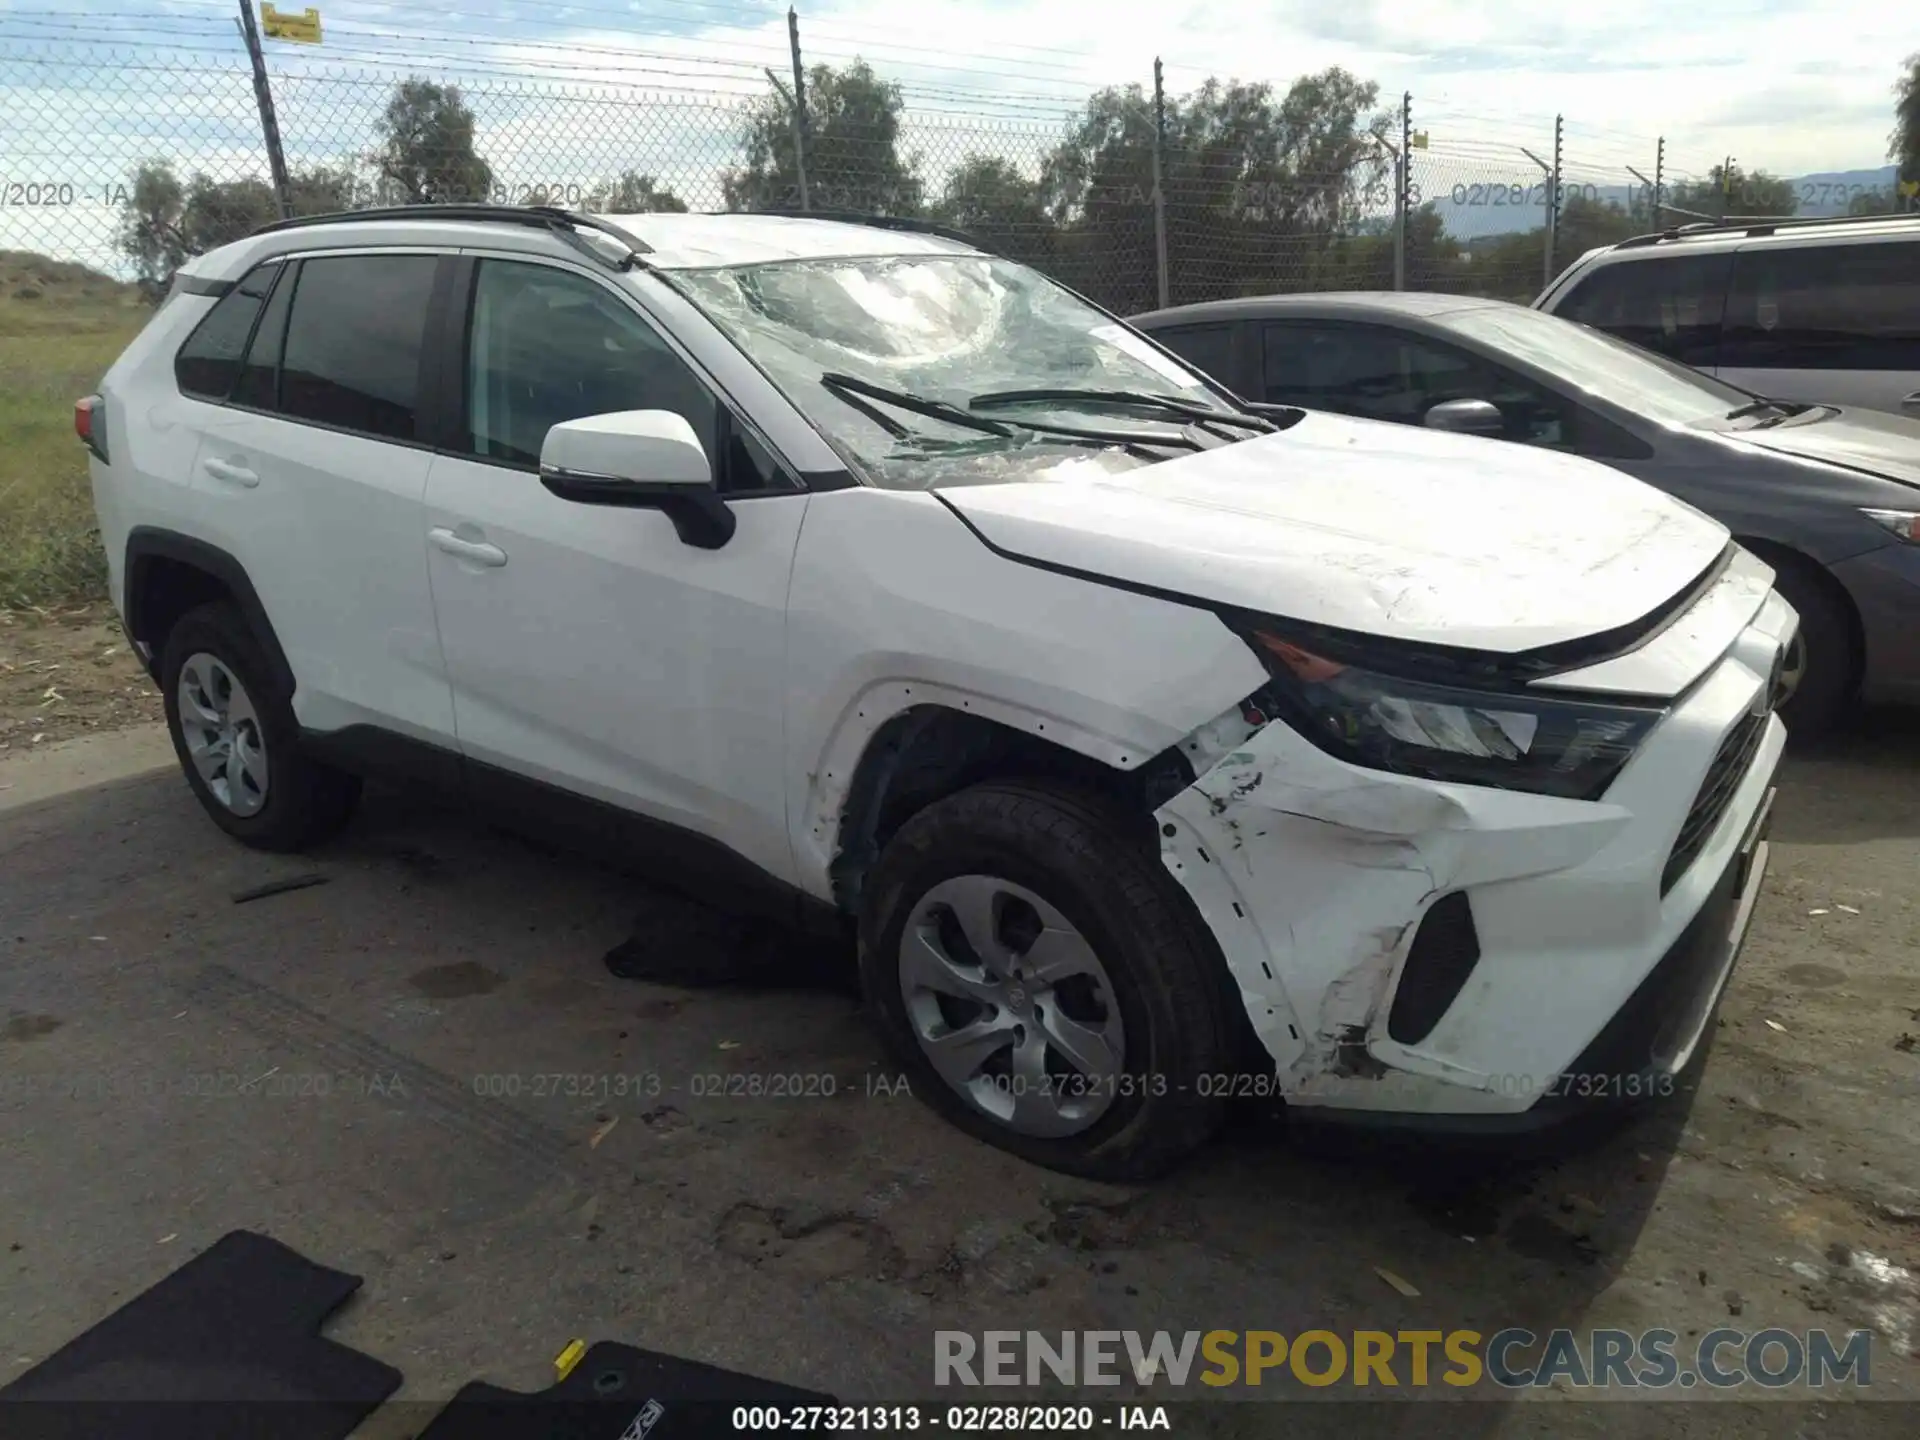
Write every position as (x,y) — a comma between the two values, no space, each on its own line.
(238,741)
(1043,982)
(1821,668)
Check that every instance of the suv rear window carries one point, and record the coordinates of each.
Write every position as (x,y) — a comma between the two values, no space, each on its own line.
(1825,307)
(352,357)
(209,362)
(1671,305)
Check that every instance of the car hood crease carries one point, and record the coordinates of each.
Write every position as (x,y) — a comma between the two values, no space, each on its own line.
(1367,527)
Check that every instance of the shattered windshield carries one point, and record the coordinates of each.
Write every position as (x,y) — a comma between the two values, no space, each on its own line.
(874,348)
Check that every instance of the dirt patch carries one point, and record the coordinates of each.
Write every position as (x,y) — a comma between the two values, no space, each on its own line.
(1149,1218)
(65,673)
(818,1247)
(1538,1238)
(22,1026)
(456,981)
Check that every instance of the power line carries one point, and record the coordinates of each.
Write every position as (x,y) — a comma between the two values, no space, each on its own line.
(512,51)
(995,65)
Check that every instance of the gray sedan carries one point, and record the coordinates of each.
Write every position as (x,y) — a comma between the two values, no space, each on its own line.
(1829,498)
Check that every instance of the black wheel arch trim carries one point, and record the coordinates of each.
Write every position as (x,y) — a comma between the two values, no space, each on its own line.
(147,544)
(614,836)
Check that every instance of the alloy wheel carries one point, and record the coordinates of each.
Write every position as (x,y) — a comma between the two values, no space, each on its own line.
(1011,1006)
(222,734)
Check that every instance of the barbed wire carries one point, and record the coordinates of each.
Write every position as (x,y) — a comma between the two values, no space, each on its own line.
(94,104)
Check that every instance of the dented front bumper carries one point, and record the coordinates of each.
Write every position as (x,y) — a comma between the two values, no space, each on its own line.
(1316,876)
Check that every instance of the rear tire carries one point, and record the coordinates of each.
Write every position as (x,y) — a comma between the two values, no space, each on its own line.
(238,741)
(1107,1015)
(1823,651)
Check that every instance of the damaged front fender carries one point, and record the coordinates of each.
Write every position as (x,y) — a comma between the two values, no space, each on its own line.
(1314,874)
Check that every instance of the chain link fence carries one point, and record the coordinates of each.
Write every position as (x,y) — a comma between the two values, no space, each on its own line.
(1129,200)
(119,161)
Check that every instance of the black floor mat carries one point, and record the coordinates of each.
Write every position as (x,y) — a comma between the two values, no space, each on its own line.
(225,1348)
(615,1392)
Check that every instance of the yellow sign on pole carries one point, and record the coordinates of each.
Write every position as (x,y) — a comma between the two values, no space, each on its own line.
(1910,187)
(303,27)
(1419,139)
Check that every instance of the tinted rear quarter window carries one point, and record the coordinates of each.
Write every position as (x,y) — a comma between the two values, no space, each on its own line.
(1825,307)
(354,340)
(1670,304)
(209,362)
(258,386)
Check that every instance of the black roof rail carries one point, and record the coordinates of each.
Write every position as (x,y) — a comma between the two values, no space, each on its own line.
(1756,225)
(564,223)
(878,222)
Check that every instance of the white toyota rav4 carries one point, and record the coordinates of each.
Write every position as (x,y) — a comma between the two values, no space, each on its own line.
(1157,749)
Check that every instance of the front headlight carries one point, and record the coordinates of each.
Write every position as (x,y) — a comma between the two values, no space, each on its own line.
(1509,740)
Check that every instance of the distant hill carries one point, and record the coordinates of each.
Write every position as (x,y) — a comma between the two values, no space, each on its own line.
(1829,192)
(1467,216)
(27,277)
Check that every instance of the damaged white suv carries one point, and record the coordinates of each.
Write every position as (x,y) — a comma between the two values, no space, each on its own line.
(1159,750)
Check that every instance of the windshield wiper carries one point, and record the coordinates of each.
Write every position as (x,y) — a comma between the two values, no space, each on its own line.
(855,391)
(1776,411)
(1757,406)
(847,387)
(1135,399)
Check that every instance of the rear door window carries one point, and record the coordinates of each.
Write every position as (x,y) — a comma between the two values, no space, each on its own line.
(1354,369)
(1670,304)
(354,341)
(1208,348)
(209,362)
(1825,307)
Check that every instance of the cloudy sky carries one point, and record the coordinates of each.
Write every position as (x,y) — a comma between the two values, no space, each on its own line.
(1790,86)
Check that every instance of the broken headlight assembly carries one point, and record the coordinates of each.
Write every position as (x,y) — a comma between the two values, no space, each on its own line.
(1550,745)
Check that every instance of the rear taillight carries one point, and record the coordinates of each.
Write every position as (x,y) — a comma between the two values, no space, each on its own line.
(90,424)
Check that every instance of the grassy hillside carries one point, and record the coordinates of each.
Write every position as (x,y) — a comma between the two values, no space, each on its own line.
(61,325)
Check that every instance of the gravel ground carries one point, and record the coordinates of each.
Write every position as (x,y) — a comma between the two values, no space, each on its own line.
(65,673)
(496,1214)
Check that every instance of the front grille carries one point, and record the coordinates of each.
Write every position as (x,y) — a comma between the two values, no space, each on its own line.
(1729,768)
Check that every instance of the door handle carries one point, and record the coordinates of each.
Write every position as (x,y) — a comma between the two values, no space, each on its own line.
(229,472)
(477,551)
(1910,402)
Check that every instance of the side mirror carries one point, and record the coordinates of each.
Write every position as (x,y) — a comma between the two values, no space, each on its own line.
(1466,417)
(639,459)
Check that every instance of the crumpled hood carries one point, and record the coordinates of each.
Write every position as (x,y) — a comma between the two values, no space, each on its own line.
(1867,440)
(1383,529)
